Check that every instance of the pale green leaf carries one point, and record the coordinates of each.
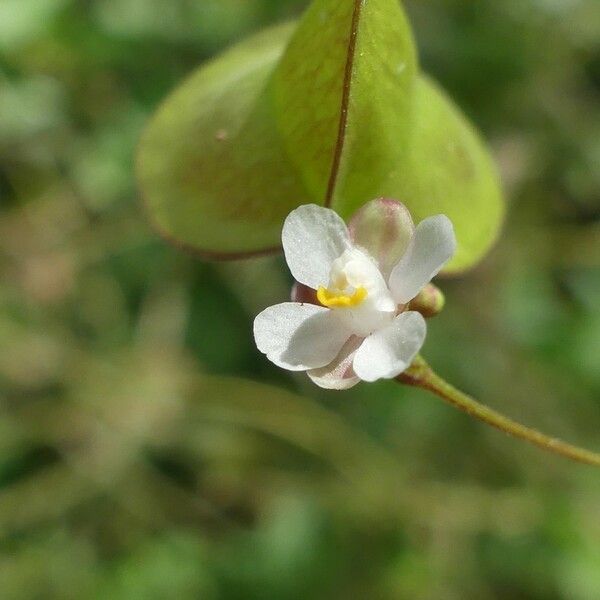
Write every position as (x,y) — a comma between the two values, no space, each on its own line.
(211,164)
(333,112)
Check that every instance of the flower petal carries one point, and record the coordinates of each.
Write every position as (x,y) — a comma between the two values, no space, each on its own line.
(313,237)
(358,269)
(390,351)
(299,337)
(384,228)
(432,246)
(339,374)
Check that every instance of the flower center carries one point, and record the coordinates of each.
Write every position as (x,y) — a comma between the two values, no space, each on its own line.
(338,299)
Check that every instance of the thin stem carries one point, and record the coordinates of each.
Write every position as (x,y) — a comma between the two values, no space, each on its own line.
(422,375)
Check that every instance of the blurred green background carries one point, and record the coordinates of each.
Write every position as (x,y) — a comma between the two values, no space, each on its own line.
(148,451)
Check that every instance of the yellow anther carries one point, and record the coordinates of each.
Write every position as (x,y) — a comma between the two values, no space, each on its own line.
(335,299)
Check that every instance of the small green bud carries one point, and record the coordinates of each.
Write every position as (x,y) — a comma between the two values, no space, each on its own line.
(430,302)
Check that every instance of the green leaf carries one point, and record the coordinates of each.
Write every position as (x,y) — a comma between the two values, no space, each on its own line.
(334,112)
(357,61)
(210,163)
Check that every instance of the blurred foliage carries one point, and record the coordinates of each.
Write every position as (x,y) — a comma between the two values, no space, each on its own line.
(137,457)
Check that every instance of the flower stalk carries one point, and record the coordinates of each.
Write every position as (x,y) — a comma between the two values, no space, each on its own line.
(421,375)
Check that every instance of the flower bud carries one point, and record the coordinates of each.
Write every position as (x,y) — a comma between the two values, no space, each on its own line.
(430,301)
(385,227)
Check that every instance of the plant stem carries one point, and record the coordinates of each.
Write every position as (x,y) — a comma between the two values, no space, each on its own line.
(421,375)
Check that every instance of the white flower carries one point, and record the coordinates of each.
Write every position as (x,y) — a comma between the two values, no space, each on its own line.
(356,283)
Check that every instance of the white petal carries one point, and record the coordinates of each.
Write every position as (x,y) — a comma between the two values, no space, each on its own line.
(359,269)
(339,374)
(432,246)
(299,337)
(313,237)
(384,228)
(390,351)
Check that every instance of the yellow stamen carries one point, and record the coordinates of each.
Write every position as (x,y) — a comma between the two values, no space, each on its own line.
(335,299)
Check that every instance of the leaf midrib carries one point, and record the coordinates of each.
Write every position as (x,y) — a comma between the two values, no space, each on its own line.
(341,137)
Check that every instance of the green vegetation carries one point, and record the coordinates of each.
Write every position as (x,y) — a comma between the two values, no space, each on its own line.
(256,133)
(148,451)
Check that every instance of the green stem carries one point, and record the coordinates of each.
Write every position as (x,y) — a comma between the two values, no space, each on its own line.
(422,375)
